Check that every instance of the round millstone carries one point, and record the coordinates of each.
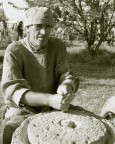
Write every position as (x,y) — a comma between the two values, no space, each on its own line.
(56,127)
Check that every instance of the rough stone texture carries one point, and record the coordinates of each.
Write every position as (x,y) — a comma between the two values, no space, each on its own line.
(56,127)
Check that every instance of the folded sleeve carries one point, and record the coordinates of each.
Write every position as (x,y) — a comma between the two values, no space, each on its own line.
(13,84)
(64,72)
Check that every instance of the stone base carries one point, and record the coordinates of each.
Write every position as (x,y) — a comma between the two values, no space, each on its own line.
(76,126)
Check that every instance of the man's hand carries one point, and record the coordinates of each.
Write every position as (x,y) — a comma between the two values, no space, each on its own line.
(67,93)
(55,101)
(64,90)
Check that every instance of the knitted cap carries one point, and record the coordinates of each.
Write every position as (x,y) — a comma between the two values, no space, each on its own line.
(39,15)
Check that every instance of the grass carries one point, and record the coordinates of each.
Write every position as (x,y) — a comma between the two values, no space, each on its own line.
(96,86)
(97,77)
(1,109)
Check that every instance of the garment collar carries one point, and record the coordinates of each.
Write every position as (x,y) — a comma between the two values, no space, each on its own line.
(30,46)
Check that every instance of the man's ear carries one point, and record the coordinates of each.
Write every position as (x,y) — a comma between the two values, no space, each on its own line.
(27,30)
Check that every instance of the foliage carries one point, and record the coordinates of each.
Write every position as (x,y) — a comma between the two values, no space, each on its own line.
(91,20)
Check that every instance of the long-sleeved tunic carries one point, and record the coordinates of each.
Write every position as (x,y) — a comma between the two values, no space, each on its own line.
(38,71)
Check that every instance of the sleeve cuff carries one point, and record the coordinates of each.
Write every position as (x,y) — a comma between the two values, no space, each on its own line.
(18,95)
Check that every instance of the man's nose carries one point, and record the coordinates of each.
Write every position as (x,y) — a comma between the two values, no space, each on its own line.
(43,31)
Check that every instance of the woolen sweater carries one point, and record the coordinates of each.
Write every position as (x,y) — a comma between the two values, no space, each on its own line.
(38,71)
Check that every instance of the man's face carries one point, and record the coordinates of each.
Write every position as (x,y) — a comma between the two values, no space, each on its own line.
(39,34)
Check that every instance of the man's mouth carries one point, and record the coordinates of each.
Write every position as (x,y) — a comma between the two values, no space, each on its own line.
(41,37)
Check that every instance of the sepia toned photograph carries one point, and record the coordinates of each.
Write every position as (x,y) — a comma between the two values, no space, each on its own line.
(57,71)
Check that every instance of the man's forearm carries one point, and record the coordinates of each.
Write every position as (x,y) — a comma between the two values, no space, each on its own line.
(35,99)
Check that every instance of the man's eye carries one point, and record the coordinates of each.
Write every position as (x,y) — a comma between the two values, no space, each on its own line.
(38,26)
(48,26)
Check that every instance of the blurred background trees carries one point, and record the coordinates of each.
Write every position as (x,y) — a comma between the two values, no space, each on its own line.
(90,20)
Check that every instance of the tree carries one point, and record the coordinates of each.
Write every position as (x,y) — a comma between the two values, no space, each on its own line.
(92,20)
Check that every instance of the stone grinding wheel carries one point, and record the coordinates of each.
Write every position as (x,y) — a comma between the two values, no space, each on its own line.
(56,127)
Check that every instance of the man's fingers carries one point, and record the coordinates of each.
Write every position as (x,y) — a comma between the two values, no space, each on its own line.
(68,98)
(64,90)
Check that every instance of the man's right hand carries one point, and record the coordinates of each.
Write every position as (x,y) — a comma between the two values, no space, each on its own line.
(55,101)
(44,99)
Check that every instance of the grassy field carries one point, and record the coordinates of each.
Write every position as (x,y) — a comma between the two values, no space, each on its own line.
(1,106)
(97,78)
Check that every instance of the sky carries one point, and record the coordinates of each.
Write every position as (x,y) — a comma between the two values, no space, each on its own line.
(14,14)
(19,3)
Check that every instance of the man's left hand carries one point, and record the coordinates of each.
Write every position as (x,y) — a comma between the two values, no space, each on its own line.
(67,93)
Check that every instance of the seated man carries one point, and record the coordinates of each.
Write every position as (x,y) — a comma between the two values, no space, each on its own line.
(36,75)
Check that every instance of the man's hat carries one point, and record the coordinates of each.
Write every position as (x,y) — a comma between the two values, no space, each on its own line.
(39,15)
